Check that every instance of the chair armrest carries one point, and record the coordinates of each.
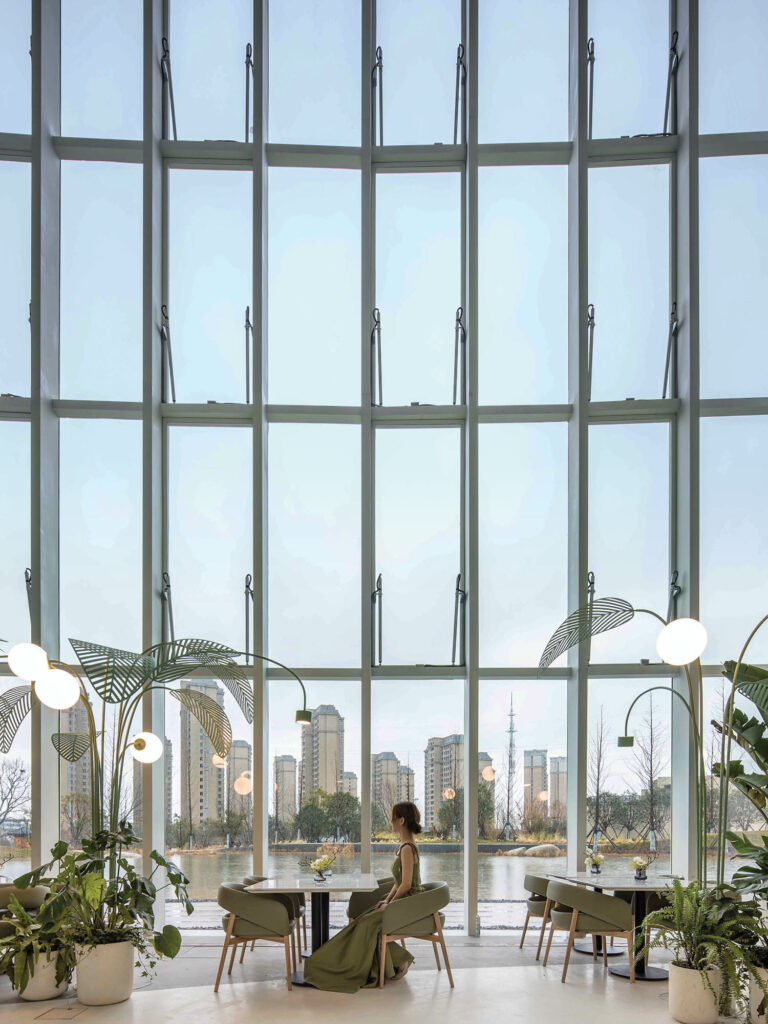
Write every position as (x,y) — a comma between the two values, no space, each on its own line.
(359,902)
(400,913)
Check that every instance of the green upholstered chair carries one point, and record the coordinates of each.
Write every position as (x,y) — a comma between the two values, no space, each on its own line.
(538,906)
(31,899)
(581,911)
(298,907)
(248,917)
(417,917)
(359,902)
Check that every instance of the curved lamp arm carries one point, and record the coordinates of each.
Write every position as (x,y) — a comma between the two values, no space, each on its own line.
(629,741)
(303,716)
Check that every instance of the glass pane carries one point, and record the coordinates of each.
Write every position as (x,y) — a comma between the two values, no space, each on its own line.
(629,791)
(15,285)
(734,546)
(210,263)
(314,72)
(101,95)
(629,531)
(16,69)
(417,740)
(210,38)
(733,208)
(523,485)
(314,544)
(522,793)
(631,60)
(523,284)
(419,40)
(314,779)
(314,255)
(101,261)
(733,74)
(629,279)
(417,542)
(418,286)
(15,542)
(100,530)
(523,88)
(210,530)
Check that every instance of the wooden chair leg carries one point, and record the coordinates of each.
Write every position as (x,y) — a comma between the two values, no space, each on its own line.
(298,939)
(227,937)
(571,936)
(543,927)
(293,947)
(253,945)
(242,951)
(402,943)
(439,928)
(605,951)
(594,948)
(525,928)
(232,958)
(437,956)
(630,941)
(382,960)
(288,963)
(549,942)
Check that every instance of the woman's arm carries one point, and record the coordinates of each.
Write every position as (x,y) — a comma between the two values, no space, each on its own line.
(387,899)
(406,863)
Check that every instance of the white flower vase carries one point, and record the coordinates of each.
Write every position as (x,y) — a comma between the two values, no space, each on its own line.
(42,984)
(105,973)
(690,1000)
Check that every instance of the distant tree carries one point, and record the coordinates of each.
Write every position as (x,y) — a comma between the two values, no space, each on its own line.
(313,821)
(76,816)
(342,812)
(379,821)
(597,771)
(204,833)
(14,789)
(648,766)
(178,833)
(451,813)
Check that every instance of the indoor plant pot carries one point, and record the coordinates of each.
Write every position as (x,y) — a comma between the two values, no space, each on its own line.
(690,999)
(104,973)
(42,984)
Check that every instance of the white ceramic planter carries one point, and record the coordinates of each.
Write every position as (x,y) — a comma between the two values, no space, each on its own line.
(690,1000)
(756,996)
(42,985)
(105,974)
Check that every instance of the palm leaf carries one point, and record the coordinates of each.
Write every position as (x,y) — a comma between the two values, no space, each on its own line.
(171,661)
(14,708)
(603,614)
(211,717)
(71,745)
(114,674)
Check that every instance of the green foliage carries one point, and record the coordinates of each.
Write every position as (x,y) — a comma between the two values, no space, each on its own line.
(751,877)
(312,821)
(712,928)
(451,813)
(33,938)
(88,908)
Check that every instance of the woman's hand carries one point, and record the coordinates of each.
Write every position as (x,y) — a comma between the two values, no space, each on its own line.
(380,905)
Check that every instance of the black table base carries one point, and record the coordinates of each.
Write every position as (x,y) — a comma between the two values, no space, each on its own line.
(586,948)
(321,929)
(642,971)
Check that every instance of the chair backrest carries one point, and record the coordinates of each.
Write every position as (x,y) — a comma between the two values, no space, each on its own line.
(31,898)
(610,909)
(536,884)
(399,914)
(260,910)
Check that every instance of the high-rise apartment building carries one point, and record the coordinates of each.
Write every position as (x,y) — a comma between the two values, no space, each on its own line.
(535,782)
(75,798)
(203,785)
(444,771)
(137,810)
(348,783)
(285,788)
(322,753)
(391,781)
(238,763)
(558,786)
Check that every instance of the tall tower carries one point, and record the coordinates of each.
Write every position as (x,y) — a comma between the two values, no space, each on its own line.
(238,761)
(509,809)
(285,788)
(202,783)
(322,753)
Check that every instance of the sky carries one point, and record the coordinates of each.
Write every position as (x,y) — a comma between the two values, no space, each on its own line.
(314,345)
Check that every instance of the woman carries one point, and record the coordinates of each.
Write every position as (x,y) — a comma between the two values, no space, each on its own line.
(351,959)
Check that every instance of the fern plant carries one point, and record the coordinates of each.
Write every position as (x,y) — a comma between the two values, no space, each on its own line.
(710,928)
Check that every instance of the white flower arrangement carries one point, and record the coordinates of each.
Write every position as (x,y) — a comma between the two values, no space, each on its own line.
(322,863)
(594,860)
(640,863)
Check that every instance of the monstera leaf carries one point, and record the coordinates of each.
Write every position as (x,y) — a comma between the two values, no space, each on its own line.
(71,745)
(114,674)
(603,614)
(14,708)
(749,733)
(210,716)
(752,682)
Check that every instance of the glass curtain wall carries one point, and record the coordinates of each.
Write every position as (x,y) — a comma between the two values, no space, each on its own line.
(375,299)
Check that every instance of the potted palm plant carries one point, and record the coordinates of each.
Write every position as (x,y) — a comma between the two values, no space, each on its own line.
(715,938)
(109,919)
(36,956)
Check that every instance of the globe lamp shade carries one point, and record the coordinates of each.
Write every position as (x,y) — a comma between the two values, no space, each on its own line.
(146,747)
(219,761)
(57,689)
(27,661)
(681,641)
(242,786)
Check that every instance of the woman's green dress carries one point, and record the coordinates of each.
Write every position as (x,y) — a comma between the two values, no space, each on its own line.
(350,960)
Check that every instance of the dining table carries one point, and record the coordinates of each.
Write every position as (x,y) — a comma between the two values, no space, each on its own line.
(320,893)
(640,888)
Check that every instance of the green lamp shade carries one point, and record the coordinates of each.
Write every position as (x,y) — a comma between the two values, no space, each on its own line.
(626,741)
(304,716)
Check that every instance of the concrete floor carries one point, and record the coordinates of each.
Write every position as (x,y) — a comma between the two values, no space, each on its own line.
(492,975)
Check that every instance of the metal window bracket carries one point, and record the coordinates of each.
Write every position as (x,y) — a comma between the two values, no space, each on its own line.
(591,83)
(248,331)
(461,94)
(248,601)
(670,104)
(165,594)
(376,374)
(377,598)
(166,354)
(165,67)
(248,77)
(28,588)
(670,368)
(377,80)
(590,347)
(590,604)
(675,590)
(460,597)
(460,356)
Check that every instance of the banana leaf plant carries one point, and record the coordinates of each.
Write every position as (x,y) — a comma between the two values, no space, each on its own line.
(124,678)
